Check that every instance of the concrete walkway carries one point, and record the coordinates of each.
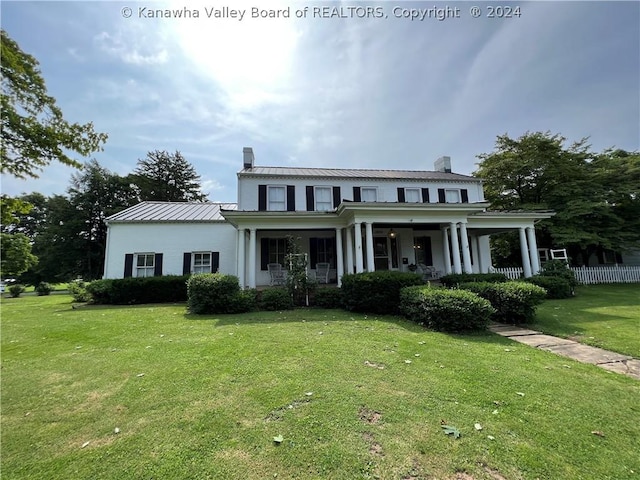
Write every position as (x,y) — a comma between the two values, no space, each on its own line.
(612,361)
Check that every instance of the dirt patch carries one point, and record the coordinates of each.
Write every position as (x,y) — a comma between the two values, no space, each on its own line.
(278,413)
(376,449)
(416,472)
(379,366)
(369,416)
(463,476)
(493,472)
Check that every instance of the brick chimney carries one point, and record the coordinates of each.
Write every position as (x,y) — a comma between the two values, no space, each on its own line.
(443,164)
(248,158)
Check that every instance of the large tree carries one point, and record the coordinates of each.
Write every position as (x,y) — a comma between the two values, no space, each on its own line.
(16,254)
(167,177)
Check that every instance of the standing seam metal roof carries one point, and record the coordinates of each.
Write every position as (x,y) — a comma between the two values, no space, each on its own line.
(172,212)
(354,173)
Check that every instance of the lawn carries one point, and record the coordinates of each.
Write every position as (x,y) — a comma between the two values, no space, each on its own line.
(606,316)
(351,397)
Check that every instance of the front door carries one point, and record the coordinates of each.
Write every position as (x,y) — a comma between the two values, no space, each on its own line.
(422,248)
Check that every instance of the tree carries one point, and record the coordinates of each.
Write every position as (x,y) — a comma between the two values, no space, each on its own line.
(16,254)
(34,131)
(167,177)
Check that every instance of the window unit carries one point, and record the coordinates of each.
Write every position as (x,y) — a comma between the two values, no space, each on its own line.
(277,199)
(201,262)
(145,265)
(369,194)
(322,250)
(273,250)
(412,195)
(323,199)
(453,195)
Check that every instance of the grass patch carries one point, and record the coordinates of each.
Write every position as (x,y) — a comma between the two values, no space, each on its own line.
(606,316)
(204,397)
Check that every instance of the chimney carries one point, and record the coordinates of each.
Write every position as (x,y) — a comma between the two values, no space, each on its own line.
(443,164)
(247,155)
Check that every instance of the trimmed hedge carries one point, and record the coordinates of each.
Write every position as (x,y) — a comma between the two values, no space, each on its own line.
(454,279)
(376,292)
(328,298)
(276,299)
(559,269)
(445,310)
(130,291)
(217,293)
(43,288)
(79,292)
(514,302)
(556,287)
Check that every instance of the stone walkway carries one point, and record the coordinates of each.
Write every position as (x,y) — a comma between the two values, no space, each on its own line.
(612,361)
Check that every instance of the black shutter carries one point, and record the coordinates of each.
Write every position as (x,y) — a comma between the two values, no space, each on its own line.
(313,251)
(336,197)
(618,257)
(291,198)
(600,257)
(464,194)
(157,270)
(310,199)
(333,260)
(401,198)
(186,263)
(262,198)
(264,253)
(425,195)
(356,194)
(215,262)
(128,265)
(441,197)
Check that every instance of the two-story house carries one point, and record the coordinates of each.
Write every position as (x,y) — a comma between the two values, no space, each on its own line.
(354,219)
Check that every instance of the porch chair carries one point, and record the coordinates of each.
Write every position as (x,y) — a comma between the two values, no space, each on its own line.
(277,275)
(322,272)
(428,272)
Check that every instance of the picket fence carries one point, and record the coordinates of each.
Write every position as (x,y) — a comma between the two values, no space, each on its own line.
(591,275)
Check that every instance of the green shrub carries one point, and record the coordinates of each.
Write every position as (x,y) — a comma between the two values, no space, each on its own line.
(454,279)
(556,287)
(16,290)
(328,298)
(514,302)
(79,292)
(213,293)
(376,292)
(558,268)
(243,301)
(131,291)
(43,288)
(445,310)
(276,299)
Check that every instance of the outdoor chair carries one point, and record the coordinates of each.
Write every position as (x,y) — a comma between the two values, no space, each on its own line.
(322,272)
(277,275)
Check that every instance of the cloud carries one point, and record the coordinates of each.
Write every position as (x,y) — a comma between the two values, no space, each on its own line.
(135,53)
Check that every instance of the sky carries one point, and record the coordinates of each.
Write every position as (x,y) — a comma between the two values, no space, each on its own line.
(330,84)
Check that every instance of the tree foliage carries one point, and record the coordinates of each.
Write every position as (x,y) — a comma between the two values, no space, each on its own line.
(34,131)
(16,254)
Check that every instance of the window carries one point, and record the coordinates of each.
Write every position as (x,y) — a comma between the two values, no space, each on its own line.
(272,250)
(325,251)
(201,262)
(452,196)
(368,194)
(412,195)
(277,198)
(324,202)
(145,264)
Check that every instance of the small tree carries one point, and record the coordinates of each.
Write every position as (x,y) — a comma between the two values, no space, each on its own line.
(298,282)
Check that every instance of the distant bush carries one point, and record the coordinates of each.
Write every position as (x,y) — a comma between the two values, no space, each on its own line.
(445,310)
(79,292)
(136,290)
(376,292)
(15,290)
(454,279)
(217,293)
(556,287)
(514,302)
(276,299)
(558,268)
(328,298)
(43,288)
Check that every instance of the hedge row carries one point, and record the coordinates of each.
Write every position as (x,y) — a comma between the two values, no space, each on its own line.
(376,292)
(218,293)
(454,279)
(556,287)
(130,291)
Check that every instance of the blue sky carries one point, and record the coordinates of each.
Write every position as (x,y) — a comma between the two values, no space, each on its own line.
(330,92)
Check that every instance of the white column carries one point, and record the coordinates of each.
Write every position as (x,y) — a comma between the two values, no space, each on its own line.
(339,256)
(349,268)
(484,248)
(370,261)
(241,251)
(466,253)
(358,238)
(455,248)
(533,250)
(252,258)
(477,263)
(526,266)
(446,251)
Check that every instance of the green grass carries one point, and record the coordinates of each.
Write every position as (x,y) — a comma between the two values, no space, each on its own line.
(203,397)
(606,316)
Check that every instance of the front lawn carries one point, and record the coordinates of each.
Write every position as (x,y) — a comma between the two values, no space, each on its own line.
(606,316)
(352,396)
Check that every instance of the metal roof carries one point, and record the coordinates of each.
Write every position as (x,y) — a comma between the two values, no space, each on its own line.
(173,212)
(361,173)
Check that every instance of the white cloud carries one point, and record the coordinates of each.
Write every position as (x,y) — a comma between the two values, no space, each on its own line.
(136,53)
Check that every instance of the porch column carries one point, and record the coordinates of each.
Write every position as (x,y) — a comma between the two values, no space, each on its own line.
(466,254)
(358,238)
(252,258)
(370,262)
(533,250)
(339,256)
(241,258)
(484,248)
(455,248)
(524,250)
(446,251)
(475,251)
(349,268)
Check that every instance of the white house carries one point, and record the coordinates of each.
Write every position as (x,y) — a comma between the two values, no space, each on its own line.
(354,219)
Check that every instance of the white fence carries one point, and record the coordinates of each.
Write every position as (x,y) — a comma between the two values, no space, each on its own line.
(591,275)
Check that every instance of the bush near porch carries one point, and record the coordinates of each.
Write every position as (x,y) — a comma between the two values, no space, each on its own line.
(131,291)
(376,292)
(454,279)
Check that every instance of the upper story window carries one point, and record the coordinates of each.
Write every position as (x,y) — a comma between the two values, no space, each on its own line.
(452,195)
(368,194)
(323,199)
(277,198)
(412,195)
(145,264)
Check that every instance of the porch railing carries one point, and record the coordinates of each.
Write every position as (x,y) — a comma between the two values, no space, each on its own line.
(591,275)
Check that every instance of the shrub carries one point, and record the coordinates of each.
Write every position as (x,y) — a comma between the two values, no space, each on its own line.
(558,268)
(454,279)
(376,292)
(243,301)
(130,291)
(16,290)
(276,299)
(213,293)
(328,298)
(445,310)
(514,302)
(79,292)
(43,288)
(556,287)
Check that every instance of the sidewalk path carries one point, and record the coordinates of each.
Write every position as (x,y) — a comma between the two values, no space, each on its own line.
(612,361)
